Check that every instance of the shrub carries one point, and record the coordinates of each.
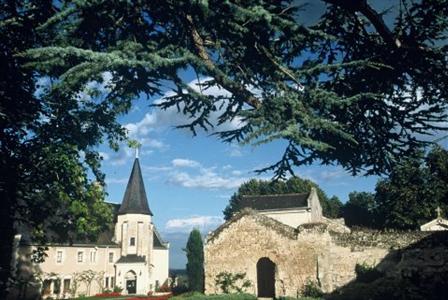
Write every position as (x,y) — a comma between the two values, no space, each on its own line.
(117,289)
(366,273)
(300,298)
(165,288)
(199,296)
(231,283)
(179,289)
(311,289)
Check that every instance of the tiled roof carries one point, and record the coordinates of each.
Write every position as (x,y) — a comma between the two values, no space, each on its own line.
(268,202)
(134,200)
(157,241)
(131,258)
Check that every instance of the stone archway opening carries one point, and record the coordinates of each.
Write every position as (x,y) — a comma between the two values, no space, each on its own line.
(266,278)
(131,282)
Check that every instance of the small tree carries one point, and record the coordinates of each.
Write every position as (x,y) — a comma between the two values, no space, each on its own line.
(76,280)
(87,277)
(231,283)
(195,264)
(99,279)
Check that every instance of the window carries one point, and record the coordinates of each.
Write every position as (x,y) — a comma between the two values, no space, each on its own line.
(107,282)
(56,286)
(46,287)
(92,256)
(59,256)
(66,285)
(112,282)
(80,256)
(132,241)
(111,257)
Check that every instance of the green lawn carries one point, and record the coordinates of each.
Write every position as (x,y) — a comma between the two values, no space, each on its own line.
(195,296)
(198,296)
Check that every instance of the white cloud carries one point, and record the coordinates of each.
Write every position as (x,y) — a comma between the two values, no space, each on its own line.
(122,156)
(203,223)
(236,173)
(331,175)
(181,163)
(100,88)
(207,179)
(235,153)
(156,169)
(143,127)
(159,119)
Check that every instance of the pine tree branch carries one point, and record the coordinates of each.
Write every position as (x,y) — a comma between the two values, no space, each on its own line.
(281,68)
(220,77)
(375,18)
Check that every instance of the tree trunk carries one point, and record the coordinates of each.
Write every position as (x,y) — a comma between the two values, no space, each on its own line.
(7,196)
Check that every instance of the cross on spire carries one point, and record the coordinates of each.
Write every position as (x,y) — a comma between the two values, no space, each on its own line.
(439,212)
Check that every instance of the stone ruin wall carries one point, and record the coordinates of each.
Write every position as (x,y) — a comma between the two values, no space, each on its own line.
(238,248)
(310,253)
(416,254)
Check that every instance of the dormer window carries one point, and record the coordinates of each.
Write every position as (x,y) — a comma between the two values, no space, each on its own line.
(132,241)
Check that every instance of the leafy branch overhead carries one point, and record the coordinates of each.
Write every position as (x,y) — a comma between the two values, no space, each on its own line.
(359,88)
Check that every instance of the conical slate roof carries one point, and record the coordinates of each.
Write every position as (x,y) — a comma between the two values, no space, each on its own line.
(134,200)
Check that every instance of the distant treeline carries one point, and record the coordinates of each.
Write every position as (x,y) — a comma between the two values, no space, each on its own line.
(405,199)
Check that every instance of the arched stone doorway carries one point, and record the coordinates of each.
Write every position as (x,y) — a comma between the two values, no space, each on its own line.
(131,282)
(265,278)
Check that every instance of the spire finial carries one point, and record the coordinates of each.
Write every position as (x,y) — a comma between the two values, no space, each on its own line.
(439,212)
(136,151)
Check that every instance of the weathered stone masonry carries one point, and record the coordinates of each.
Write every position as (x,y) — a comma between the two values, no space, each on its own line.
(311,252)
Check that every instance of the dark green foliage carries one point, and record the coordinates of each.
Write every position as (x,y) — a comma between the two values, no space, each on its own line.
(349,90)
(48,144)
(409,197)
(195,264)
(198,296)
(294,184)
(333,208)
(299,298)
(232,283)
(311,289)
(366,273)
(360,210)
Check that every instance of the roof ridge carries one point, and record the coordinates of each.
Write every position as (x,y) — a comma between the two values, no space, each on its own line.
(279,227)
(270,195)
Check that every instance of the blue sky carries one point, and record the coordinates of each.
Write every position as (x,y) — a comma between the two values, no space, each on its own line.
(189,180)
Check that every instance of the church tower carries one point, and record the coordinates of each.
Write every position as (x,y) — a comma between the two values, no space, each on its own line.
(134,232)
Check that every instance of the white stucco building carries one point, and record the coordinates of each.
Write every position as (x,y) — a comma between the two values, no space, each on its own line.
(132,255)
(289,209)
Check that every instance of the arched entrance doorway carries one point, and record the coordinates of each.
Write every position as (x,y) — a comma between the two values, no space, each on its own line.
(131,282)
(266,278)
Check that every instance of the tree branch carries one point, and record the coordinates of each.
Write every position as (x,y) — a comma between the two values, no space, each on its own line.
(375,18)
(221,78)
